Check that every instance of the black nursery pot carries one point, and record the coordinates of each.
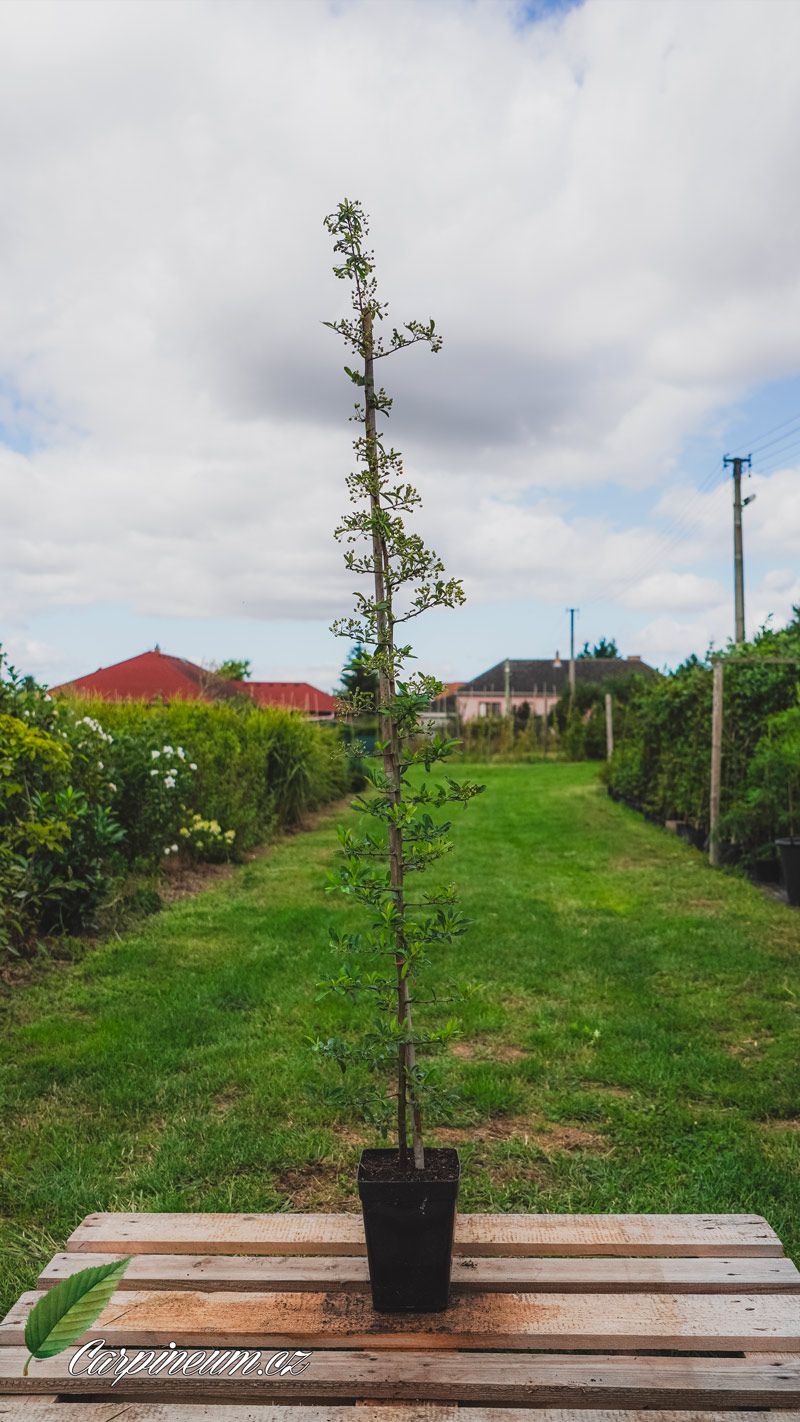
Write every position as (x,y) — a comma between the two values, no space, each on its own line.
(409,1217)
(789,850)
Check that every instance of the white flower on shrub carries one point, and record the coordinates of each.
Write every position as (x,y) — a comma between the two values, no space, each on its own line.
(94,726)
(155,754)
(192,765)
(168,750)
(111,785)
(169,781)
(181,752)
(99,765)
(154,772)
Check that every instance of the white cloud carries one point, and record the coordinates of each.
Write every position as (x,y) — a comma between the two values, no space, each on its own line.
(565,198)
(674,592)
(665,641)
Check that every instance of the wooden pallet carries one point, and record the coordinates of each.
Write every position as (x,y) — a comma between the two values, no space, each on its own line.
(586,1317)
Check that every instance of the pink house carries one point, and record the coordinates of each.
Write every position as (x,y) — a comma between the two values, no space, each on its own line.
(539,683)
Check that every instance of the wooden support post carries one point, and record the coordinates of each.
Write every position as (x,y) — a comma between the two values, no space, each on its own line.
(544,722)
(716,764)
(609,727)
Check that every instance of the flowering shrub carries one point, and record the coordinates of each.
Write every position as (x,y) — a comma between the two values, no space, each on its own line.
(90,791)
(57,830)
(153,784)
(205,839)
(251,769)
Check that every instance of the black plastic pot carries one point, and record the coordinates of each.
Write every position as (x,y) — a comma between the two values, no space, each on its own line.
(766,871)
(408,1223)
(789,850)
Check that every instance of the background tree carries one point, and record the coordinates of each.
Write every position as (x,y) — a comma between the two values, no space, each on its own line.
(600,650)
(522,715)
(359,685)
(233,670)
(406,579)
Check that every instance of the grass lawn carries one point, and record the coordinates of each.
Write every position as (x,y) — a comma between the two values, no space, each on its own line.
(635,1048)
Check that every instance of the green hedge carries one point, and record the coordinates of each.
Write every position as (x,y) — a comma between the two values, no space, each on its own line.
(662,754)
(91,791)
(257,768)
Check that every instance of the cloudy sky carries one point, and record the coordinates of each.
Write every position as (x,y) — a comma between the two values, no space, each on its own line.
(598,204)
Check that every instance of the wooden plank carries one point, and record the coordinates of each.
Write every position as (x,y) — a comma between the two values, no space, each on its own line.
(35,1409)
(687,1322)
(44,1411)
(492,1379)
(728,1236)
(32,1409)
(281,1273)
(723,1236)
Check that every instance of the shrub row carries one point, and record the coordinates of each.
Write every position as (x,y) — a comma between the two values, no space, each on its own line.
(92,791)
(662,756)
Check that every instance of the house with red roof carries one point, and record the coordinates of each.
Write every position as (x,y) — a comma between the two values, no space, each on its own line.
(156,676)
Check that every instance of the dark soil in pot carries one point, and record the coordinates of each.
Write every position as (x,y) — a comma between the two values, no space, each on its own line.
(409,1218)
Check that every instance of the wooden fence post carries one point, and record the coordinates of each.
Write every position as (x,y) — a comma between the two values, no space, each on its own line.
(609,727)
(716,764)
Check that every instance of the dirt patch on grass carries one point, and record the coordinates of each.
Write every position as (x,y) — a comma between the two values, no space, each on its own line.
(773,1126)
(751,1047)
(224,1100)
(547,1136)
(330,1184)
(515,1003)
(621,1093)
(324,1185)
(485,1051)
(183,881)
(573,1138)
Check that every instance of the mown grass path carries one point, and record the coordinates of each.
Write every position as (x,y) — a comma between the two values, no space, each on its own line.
(635,1048)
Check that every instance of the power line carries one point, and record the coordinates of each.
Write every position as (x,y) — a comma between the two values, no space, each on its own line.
(779,460)
(682,525)
(779,439)
(751,443)
(664,540)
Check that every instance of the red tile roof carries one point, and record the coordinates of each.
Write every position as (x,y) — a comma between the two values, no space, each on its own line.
(156,675)
(296,695)
(450,687)
(152,675)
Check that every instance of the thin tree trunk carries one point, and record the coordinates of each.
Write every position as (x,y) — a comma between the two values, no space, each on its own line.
(391,760)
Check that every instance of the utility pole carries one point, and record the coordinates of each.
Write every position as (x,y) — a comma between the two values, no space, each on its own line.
(738,559)
(508,687)
(609,727)
(572,611)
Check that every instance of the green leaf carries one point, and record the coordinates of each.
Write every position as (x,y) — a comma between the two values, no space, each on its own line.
(65,1312)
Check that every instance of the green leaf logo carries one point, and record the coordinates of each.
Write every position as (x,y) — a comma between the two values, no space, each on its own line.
(65,1312)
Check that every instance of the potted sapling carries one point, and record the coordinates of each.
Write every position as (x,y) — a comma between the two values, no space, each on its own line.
(408,1190)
